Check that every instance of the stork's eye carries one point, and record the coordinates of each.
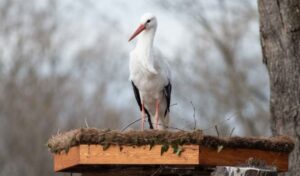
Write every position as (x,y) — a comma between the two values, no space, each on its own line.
(148,21)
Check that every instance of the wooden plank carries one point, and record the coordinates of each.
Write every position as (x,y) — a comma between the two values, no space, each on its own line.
(65,160)
(88,157)
(142,155)
(235,157)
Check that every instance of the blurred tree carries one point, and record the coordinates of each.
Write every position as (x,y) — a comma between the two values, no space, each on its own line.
(41,91)
(223,69)
(280,40)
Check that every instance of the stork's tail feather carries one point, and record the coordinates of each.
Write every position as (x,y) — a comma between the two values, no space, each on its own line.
(163,122)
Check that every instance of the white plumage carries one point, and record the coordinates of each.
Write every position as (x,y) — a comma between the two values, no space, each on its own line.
(150,75)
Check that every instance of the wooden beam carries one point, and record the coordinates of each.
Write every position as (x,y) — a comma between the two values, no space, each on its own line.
(236,157)
(92,157)
(133,155)
(67,160)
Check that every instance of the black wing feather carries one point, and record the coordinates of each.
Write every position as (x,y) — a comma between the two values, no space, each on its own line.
(138,99)
(167,93)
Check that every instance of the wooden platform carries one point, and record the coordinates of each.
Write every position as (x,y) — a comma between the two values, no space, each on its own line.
(92,157)
(107,152)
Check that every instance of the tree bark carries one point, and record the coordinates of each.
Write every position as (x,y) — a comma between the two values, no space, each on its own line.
(280,41)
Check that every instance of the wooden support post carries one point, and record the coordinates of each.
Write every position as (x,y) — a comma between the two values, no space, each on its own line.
(243,171)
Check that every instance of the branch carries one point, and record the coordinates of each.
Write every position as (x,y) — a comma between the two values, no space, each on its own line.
(195,122)
(231,132)
(86,124)
(216,127)
(220,123)
(127,126)
(169,127)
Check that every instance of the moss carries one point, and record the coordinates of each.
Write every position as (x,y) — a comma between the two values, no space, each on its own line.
(277,143)
(63,141)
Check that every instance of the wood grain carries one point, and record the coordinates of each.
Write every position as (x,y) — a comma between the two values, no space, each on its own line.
(65,160)
(84,157)
(94,154)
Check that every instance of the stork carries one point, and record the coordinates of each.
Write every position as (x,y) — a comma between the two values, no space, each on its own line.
(150,76)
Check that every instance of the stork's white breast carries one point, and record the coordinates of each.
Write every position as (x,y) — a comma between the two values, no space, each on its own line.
(149,82)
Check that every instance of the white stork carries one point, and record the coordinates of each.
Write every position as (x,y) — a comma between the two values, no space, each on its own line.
(150,76)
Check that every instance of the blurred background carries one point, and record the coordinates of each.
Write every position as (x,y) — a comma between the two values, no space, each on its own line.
(64,65)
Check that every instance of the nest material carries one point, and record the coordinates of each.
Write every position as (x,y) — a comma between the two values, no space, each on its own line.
(63,141)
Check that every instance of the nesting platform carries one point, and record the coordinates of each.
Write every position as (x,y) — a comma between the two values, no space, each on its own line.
(90,150)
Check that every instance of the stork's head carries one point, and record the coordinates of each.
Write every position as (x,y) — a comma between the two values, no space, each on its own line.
(147,22)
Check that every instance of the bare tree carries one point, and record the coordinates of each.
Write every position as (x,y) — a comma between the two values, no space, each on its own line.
(280,41)
(41,93)
(221,63)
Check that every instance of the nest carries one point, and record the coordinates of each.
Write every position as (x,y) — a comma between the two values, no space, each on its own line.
(64,141)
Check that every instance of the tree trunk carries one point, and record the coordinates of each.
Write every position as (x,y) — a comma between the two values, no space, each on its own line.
(280,40)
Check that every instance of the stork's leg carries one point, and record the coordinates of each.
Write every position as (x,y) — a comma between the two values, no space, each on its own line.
(156,113)
(143,115)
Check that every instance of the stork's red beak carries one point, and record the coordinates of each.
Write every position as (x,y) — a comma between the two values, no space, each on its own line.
(138,30)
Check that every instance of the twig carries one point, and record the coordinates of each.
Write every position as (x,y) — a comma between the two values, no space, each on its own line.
(158,170)
(174,104)
(194,115)
(220,122)
(231,132)
(216,127)
(169,127)
(86,124)
(127,126)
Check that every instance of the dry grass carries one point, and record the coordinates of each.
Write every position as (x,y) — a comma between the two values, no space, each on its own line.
(63,141)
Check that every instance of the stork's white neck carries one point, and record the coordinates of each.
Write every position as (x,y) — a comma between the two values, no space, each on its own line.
(144,47)
(145,41)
